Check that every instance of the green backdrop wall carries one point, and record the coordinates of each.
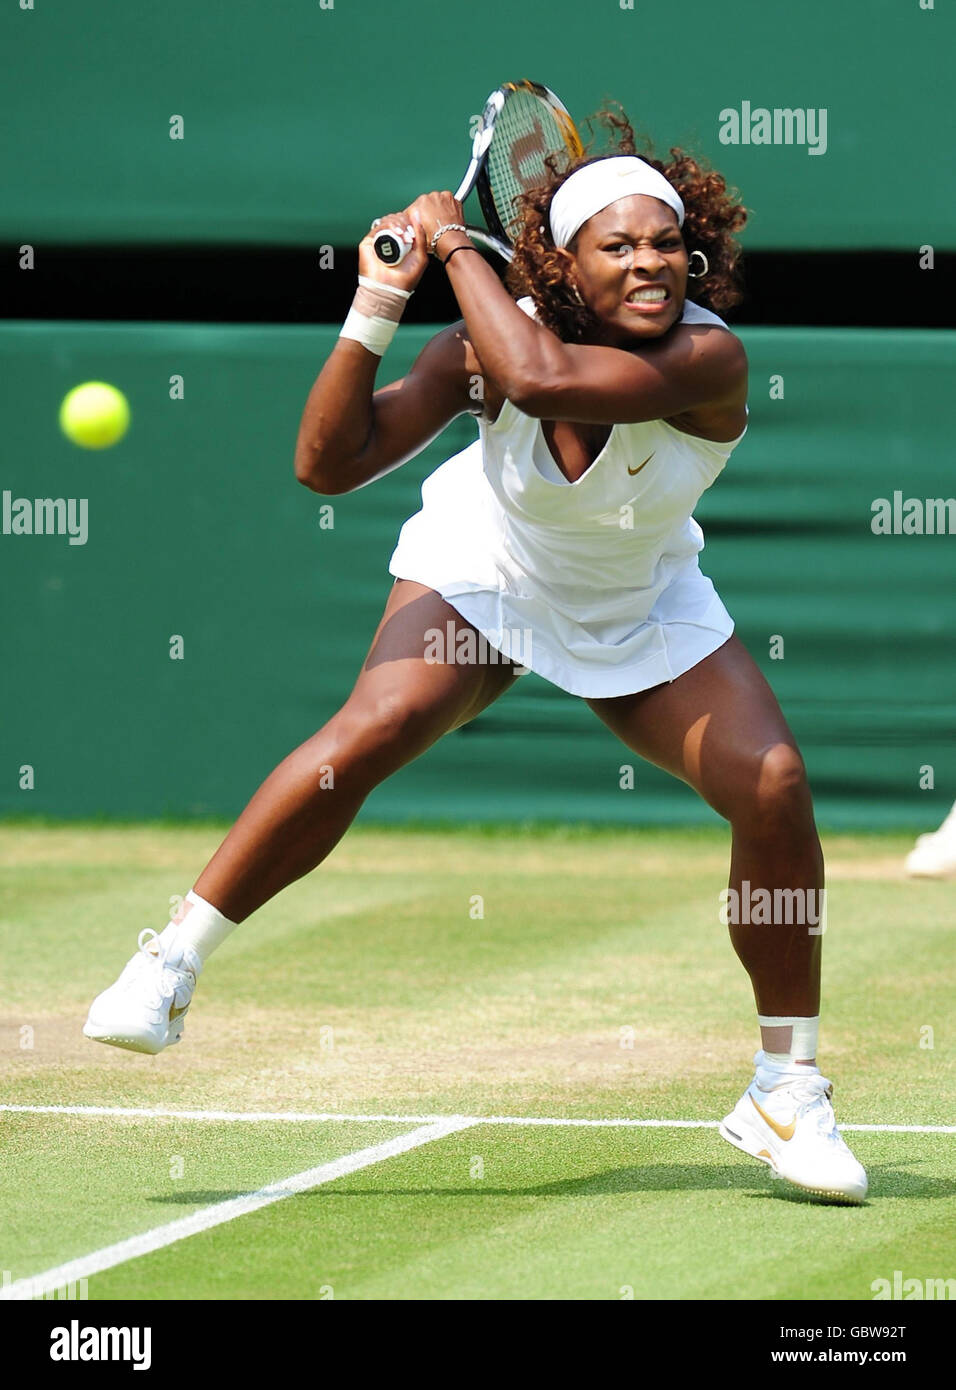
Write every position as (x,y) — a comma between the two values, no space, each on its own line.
(197,527)
(305,119)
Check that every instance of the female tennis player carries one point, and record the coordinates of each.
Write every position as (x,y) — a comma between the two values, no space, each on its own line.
(606,402)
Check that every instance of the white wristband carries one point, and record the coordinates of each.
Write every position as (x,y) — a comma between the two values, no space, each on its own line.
(373,333)
(374,315)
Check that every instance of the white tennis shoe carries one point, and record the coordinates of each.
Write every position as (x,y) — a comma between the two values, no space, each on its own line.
(145,1009)
(934,855)
(793,1129)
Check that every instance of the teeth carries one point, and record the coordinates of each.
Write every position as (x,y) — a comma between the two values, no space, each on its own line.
(647,296)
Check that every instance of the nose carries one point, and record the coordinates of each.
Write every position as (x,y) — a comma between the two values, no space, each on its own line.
(646,259)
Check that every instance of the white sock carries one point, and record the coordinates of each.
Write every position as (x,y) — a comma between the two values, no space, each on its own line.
(199,926)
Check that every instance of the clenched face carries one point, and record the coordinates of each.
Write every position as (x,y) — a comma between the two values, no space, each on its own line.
(631,267)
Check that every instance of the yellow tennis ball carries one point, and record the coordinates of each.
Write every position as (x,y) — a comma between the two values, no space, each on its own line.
(94,415)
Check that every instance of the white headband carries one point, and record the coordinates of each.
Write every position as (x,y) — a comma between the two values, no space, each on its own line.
(596,186)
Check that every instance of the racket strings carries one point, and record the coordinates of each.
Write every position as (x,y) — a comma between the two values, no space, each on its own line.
(526,133)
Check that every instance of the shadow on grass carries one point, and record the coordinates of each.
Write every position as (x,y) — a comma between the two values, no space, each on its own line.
(886,1181)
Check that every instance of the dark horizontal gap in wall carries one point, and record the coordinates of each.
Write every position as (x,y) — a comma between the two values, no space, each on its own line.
(840,289)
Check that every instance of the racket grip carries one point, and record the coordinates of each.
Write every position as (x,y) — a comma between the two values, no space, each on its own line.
(390,247)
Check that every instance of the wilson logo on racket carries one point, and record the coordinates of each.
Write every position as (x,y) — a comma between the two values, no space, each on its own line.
(636,470)
(531,146)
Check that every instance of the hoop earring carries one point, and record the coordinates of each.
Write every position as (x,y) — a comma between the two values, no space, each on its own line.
(576,293)
(698,275)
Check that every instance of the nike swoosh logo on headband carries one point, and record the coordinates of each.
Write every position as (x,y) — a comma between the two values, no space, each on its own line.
(633,471)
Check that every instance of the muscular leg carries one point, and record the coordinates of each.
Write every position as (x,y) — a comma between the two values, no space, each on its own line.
(719,728)
(401,704)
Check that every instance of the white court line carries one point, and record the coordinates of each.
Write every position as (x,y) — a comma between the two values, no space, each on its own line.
(320,1117)
(220,1212)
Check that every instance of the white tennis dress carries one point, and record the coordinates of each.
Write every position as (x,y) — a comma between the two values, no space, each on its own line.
(595,584)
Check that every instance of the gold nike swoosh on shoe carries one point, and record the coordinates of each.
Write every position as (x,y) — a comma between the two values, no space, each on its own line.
(783,1132)
(634,471)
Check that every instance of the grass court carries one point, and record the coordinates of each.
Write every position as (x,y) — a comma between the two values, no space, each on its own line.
(472,1064)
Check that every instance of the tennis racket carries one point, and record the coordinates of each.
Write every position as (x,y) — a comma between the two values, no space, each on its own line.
(521,125)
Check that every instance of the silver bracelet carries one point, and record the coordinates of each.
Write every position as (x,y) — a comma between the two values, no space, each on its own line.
(440,231)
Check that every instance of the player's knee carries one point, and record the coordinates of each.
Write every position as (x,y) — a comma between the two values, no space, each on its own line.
(782,793)
(384,733)
(769,795)
(394,724)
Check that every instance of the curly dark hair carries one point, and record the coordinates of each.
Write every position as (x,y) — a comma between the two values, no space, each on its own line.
(711,217)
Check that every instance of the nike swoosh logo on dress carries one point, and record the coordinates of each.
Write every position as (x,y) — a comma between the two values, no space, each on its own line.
(633,471)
